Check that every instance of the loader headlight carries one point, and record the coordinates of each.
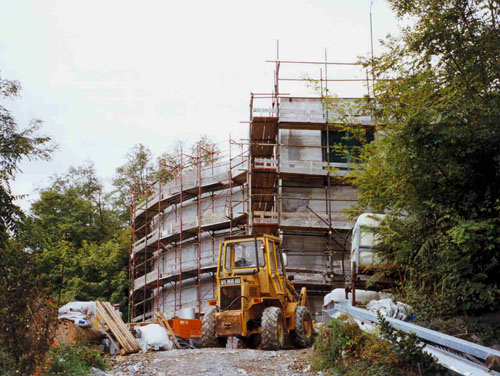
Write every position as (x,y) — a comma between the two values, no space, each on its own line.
(230,281)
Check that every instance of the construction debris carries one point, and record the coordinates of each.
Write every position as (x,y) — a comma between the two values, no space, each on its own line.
(389,308)
(78,323)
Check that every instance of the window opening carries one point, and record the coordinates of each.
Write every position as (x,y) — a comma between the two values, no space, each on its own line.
(350,145)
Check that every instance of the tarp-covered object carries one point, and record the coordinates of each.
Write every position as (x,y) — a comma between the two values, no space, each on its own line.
(153,336)
(81,313)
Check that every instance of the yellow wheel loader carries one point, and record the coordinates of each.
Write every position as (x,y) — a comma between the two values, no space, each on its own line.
(255,300)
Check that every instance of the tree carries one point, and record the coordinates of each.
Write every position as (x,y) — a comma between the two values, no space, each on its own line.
(93,271)
(139,173)
(15,145)
(76,235)
(27,318)
(73,208)
(133,177)
(436,169)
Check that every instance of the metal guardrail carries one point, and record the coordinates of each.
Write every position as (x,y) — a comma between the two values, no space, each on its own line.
(436,341)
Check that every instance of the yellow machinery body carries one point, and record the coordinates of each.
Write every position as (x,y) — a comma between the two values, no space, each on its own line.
(251,278)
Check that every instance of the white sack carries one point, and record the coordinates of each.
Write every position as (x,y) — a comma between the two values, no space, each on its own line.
(154,336)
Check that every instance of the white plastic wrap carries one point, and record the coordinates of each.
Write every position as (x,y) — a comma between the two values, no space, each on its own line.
(80,312)
(387,307)
(338,295)
(153,336)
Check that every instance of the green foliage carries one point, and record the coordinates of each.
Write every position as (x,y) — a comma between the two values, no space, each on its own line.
(136,176)
(15,145)
(7,363)
(448,265)
(79,245)
(28,318)
(409,349)
(343,348)
(94,271)
(73,360)
(74,208)
(435,165)
(133,177)
(26,315)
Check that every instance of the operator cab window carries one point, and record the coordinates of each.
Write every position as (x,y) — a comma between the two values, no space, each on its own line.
(280,261)
(244,255)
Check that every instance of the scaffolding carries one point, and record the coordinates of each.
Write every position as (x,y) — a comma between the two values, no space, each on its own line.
(279,181)
(293,191)
(196,200)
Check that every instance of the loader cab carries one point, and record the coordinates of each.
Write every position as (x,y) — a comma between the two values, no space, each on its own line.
(259,259)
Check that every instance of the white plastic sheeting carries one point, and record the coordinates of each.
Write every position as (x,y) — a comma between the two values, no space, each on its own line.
(364,242)
(81,313)
(153,336)
(362,296)
(389,308)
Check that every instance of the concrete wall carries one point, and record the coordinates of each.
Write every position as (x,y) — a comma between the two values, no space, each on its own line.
(300,145)
(171,294)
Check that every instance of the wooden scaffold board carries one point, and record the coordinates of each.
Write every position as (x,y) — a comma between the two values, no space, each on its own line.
(110,320)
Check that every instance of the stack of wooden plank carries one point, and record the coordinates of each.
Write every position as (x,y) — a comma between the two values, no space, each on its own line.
(111,321)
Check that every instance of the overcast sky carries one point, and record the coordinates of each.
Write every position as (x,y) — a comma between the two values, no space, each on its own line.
(105,75)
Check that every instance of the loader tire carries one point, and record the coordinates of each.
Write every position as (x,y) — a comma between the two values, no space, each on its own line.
(273,330)
(304,332)
(208,337)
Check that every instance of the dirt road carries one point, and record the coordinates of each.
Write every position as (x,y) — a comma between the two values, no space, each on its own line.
(211,362)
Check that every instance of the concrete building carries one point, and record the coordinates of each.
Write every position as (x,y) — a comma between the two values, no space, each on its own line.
(279,181)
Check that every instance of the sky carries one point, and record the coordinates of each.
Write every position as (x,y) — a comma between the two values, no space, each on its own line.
(106,75)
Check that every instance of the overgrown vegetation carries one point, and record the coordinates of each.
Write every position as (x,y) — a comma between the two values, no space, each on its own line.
(343,348)
(73,360)
(483,329)
(435,165)
(27,317)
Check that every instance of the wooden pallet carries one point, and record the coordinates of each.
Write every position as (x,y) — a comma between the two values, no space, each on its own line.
(112,322)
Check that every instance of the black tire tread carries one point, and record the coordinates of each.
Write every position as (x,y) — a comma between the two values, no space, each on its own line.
(301,340)
(208,338)
(270,317)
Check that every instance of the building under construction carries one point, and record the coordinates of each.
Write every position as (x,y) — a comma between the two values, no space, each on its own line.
(278,181)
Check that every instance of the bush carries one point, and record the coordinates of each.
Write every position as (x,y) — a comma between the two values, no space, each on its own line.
(73,360)
(28,319)
(7,364)
(343,348)
(448,265)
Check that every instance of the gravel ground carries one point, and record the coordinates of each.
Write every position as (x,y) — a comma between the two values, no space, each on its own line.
(208,362)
